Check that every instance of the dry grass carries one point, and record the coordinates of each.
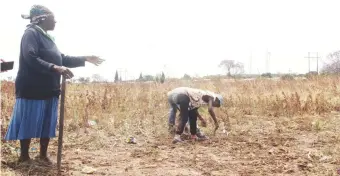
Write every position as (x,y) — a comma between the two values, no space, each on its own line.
(276,127)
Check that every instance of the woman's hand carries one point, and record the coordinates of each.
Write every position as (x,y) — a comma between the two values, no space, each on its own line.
(63,71)
(94,60)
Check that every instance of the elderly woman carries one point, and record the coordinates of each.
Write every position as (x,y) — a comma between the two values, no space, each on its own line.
(37,85)
(187,101)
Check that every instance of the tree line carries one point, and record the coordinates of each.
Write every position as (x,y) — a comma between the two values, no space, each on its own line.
(160,78)
(331,66)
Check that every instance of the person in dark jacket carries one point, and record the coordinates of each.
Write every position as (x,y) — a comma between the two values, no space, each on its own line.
(37,85)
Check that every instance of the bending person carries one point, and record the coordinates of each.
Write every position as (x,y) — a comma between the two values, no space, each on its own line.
(187,101)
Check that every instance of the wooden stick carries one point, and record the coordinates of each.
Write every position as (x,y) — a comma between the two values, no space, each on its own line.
(61,123)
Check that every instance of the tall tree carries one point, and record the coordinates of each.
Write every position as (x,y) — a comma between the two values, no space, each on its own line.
(162,79)
(148,78)
(97,78)
(84,79)
(140,77)
(158,78)
(116,77)
(232,67)
(332,63)
(186,77)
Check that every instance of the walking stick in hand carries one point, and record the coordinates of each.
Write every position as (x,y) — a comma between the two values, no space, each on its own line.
(61,123)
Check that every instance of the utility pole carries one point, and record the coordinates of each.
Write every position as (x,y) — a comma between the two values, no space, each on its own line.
(308,62)
(125,74)
(250,61)
(317,61)
(267,61)
(122,73)
(120,70)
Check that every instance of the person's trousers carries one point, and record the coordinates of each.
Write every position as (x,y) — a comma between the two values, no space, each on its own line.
(173,111)
(186,115)
(192,117)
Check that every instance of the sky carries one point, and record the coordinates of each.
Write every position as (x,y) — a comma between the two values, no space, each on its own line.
(182,36)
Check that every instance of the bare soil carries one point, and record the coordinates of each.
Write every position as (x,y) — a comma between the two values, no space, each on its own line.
(307,145)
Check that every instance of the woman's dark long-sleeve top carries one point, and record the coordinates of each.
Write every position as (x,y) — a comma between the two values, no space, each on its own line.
(35,78)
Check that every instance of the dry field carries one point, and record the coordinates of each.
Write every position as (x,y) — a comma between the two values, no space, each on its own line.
(274,128)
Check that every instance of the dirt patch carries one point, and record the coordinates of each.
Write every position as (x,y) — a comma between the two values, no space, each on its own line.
(254,146)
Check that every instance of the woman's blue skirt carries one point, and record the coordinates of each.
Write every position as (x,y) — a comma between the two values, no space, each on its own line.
(33,119)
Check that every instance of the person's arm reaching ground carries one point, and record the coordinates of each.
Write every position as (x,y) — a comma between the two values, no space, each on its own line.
(212,113)
(203,122)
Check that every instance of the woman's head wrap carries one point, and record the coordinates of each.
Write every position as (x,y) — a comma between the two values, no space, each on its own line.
(38,13)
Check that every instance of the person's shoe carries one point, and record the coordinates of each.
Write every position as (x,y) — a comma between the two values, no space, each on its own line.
(177,139)
(44,160)
(24,161)
(201,137)
(194,137)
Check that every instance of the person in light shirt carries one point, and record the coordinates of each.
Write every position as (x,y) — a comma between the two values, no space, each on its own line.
(188,101)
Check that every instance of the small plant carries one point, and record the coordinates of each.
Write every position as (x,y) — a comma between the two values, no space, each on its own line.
(317,125)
